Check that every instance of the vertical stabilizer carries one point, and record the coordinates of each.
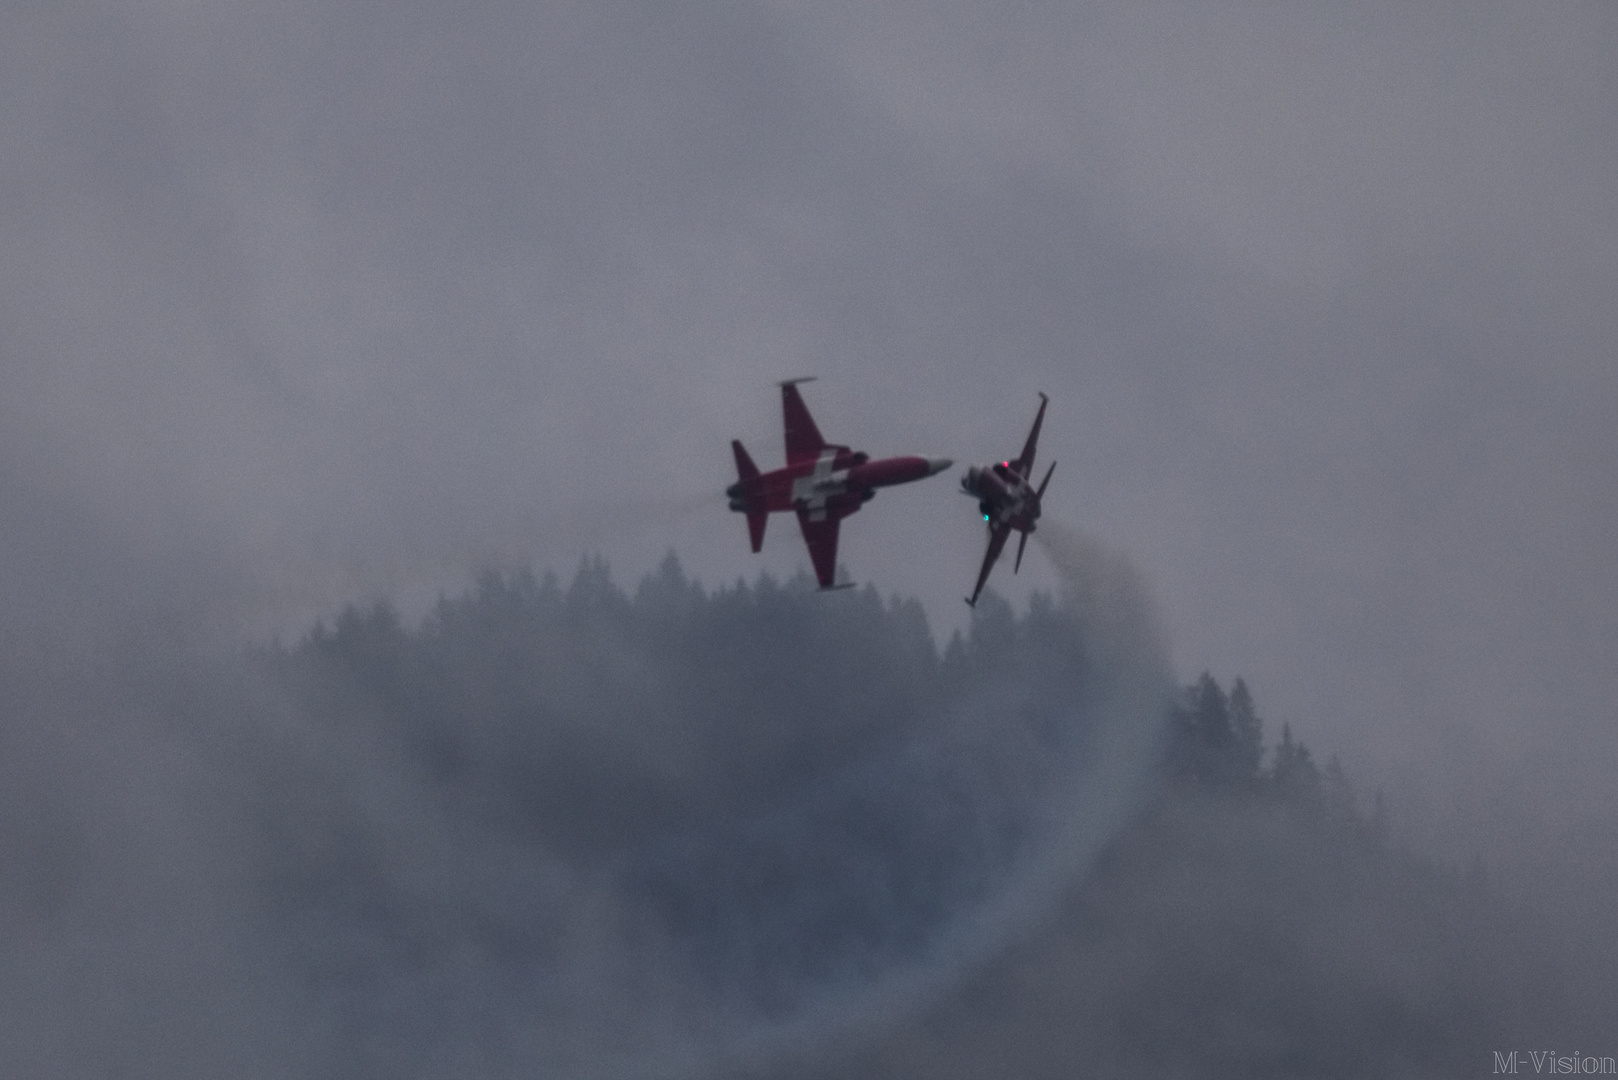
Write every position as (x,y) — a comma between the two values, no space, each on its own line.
(803,438)
(1025,462)
(746,471)
(743,494)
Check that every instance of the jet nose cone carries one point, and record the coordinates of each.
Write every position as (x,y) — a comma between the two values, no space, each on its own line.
(938,464)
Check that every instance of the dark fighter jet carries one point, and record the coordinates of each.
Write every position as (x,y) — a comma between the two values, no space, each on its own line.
(1007,500)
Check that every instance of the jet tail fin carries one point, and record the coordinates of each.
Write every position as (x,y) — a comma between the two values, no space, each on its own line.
(803,438)
(1025,461)
(741,491)
(745,469)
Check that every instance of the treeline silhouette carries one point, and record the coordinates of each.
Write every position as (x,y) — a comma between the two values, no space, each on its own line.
(783,797)
(1217,743)
(528,691)
(1256,920)
(1253,920)
(585,716)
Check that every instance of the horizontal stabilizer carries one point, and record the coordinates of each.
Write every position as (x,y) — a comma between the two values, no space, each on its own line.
(756,520)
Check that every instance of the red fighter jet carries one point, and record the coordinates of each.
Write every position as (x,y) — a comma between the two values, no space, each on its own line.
(822,481)
(1007,500)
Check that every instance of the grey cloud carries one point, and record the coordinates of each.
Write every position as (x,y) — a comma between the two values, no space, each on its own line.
(340,301)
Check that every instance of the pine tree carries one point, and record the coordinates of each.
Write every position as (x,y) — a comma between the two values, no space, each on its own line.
(1204,739)
(1248,730)
(1294,773)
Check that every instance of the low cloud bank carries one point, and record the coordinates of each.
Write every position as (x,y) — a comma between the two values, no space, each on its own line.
(565,830)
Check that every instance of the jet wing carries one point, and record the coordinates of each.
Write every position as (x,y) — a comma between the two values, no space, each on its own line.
(803,438)
(1025,462)
(997,543)
(821,536)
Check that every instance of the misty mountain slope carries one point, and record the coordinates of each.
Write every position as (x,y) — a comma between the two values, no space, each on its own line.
(574,831)
(1257,926)
(594,832)
(583,714)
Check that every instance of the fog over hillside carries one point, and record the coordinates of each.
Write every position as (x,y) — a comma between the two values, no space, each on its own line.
(567,829)
(327,301)
(760,831)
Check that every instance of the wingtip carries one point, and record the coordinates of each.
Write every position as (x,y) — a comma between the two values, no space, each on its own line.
(794,382)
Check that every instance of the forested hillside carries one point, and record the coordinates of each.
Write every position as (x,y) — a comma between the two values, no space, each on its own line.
(1256,921)
(676,828)
(771,804)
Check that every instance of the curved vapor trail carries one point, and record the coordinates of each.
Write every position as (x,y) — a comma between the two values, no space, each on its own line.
(1041,777)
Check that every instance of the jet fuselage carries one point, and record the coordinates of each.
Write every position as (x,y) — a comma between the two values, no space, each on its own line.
(1005,497)
(1008,500)
(836,478)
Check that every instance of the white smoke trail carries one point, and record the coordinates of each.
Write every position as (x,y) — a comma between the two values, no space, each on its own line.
(1036,779)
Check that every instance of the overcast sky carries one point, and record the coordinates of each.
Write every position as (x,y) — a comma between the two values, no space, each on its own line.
(318,301)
